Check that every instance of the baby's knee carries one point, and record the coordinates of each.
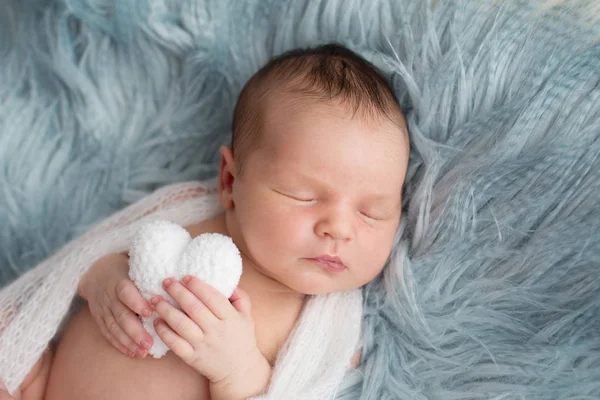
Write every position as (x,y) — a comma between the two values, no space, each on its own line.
(34,385)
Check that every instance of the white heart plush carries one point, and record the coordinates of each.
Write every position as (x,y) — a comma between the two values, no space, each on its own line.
(162,249)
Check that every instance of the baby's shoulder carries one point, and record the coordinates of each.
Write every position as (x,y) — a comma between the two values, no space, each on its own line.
(211,225)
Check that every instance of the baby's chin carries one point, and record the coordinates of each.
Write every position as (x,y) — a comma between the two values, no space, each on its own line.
(303,277)
(317,284)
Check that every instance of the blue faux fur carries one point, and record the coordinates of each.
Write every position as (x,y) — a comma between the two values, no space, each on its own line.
(494,290)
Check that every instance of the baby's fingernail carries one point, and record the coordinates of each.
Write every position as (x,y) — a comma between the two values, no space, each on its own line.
(186,279)
(155,300)
(156,321)
(167,282)
(146,313)
(144,345)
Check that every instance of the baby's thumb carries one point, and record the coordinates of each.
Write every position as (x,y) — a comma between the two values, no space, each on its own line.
(241,301)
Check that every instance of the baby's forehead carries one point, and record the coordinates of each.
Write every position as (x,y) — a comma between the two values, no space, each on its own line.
(283,109)
(289,116)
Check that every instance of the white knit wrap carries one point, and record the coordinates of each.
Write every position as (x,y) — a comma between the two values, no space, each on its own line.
(311,364)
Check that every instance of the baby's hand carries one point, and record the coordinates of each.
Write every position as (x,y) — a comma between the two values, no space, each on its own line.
(213,335)
(114,301)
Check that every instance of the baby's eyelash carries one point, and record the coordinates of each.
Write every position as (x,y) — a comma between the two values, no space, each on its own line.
(295,198)
(369,217)
(302,200)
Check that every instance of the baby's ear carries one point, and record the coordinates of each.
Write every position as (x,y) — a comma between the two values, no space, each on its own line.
(226,178)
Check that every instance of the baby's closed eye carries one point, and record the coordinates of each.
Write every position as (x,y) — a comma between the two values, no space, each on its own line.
(301,197)
(372,216)
(377,214)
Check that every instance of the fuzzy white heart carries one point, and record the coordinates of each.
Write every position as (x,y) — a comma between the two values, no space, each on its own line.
(162,249)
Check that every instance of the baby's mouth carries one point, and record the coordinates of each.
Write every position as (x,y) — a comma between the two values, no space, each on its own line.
(331,263)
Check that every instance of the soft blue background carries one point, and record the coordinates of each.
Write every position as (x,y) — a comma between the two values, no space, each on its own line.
(494,290)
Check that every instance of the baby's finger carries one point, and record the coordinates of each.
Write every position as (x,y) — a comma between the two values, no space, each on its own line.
(121,347)
(211,297)
(241,301)
(177,320)
(113,341)
(173,341)
(132,326)
(118,334)
(129,294)
(191,305)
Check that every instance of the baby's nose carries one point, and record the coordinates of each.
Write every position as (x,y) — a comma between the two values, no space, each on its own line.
(335,225)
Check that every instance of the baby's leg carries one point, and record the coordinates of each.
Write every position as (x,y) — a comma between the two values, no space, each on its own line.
(34,385)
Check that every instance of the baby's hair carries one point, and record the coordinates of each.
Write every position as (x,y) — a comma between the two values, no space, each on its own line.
(326,72)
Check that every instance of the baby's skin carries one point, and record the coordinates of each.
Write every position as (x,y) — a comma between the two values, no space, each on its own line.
(104,372)
(314,211)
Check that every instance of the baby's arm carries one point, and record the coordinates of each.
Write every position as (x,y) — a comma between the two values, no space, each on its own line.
(253,383)
(114,301)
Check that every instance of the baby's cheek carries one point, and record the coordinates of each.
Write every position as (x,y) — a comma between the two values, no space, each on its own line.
(268,237)
(373,258)
(283,233)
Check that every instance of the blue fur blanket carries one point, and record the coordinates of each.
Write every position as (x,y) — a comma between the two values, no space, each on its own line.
(494,288)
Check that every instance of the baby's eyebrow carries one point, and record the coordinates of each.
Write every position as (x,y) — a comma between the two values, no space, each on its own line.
(378,197)
(303,177)
(383,200)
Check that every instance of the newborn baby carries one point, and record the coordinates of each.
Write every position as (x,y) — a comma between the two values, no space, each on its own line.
(311,195)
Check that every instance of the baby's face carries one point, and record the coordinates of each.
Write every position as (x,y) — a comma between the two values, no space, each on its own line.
(318,204)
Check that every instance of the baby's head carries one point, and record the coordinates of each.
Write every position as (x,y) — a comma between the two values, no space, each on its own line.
(314,177)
